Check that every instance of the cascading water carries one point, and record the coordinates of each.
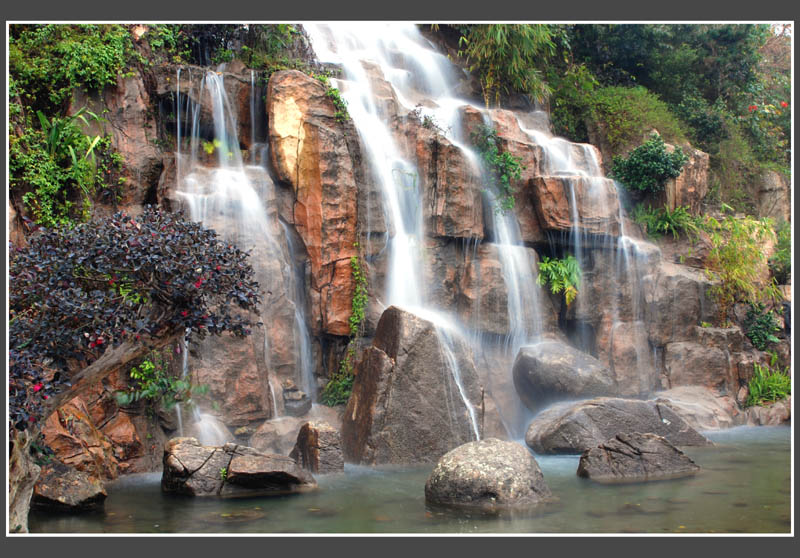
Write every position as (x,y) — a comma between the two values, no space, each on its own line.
(221,191)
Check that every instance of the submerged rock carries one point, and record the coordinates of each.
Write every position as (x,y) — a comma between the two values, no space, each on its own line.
(577,427)
(229,471)
(62,488)
(635,457)
(488,474)
(319,448)
(551,370)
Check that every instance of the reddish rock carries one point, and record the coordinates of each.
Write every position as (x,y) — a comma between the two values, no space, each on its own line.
(689,363)
(774,414)
(61,488)
(77,442)
(309,151)
(596,199)
(703,408)
(691,186)
(319,448)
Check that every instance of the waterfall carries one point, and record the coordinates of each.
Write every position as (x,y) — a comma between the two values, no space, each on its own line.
(236,199)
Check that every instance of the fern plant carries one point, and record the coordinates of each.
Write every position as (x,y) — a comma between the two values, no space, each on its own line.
(563,276)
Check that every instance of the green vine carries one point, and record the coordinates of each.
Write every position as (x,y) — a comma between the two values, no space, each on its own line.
(338,389)
(341,114)
(503,167)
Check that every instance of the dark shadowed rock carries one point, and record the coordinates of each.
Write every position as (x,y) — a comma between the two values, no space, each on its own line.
(229,471)
(635,457)
(576,427)
(405,406)
(319,448)
(487,474)
(62,488)
(551,370)
(295,402)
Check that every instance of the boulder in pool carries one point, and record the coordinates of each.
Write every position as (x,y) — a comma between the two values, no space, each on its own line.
(232,470)
(62,488)
(635,457)
(489,475)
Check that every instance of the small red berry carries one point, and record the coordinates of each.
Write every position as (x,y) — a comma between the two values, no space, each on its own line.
(37,387)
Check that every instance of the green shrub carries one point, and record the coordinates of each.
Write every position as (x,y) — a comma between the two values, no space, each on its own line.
(781,262)
(662,221)
(768,384)
(341,114)
(760,326)
(502,166)
(563,276)
(649,166)
(736,259)
(625,114)
(152,382)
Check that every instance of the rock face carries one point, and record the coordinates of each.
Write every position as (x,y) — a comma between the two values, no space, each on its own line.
(310,153)
(774,196)
(575,428)
(635,457)
(319,448)
(550,370)
(489,475)
(62,488)
(277,435)
(405,406)
(596,202)
(296,403)
(229,471)
(691,186)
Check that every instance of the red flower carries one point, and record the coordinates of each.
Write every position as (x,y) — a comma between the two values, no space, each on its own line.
(219,267)
(784,104)
(99,340)
(45,396)
(37,387)
(751,108)
(184,313)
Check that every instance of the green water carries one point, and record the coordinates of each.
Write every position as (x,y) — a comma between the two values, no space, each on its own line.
(744,486)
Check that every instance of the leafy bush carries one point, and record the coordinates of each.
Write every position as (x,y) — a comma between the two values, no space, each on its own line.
(781,262)
(625,114)
(760,326)
(562,275)
(74,292)
(768,384)
(736,259)
(505,57)
(152,382)
(662,221)
(502,166)
(649,166)
(571,100)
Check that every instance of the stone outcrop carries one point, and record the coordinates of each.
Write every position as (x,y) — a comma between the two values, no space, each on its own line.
(703,408)
(576,427)
(309,152)
(277,435)
(550,371)
(319,448)
(487,475)
(774,196)
(635,457)
(690,188)
(405,406)
(229,471)
(61,488)
(596,201)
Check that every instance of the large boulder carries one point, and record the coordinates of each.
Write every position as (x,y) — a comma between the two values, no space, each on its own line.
(277,435)
(319,448)
(774,196)
(550,370)
(703,408)
(309,151)
(229,471)
(62,488)
(489,475)
(574,428)
(689,363)
(635,457)
(407,405)
(632,360)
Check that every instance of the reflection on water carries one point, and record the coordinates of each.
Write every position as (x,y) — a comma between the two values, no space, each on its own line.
(743,487)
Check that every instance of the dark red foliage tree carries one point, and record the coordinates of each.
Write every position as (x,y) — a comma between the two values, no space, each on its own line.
(75,293)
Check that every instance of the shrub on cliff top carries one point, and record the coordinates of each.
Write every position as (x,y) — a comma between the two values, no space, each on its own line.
(75,292)
(649,166)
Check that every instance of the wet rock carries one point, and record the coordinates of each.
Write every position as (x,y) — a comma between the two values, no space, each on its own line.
(309,151)
(229,471)
(632,360)
(676,298)
(319,448)
(277,435)
(405,406)
(62,488)
(635,457)
(489,475)
(689,363)
(703,408)
(576,427)
(551,370)
(296,403)
(596,200)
